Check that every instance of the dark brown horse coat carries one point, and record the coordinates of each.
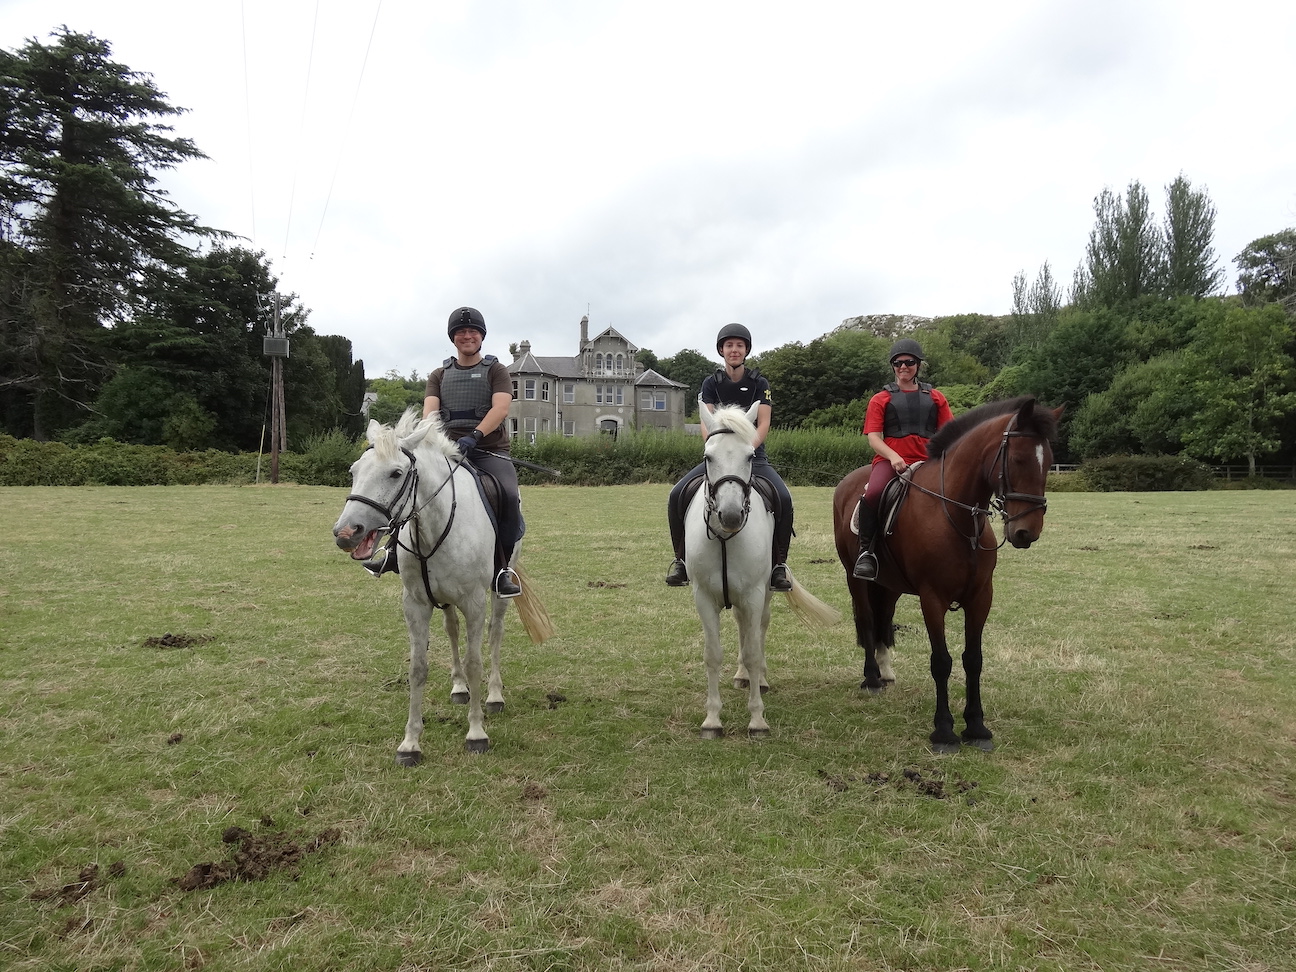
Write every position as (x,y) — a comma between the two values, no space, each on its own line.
(943,549)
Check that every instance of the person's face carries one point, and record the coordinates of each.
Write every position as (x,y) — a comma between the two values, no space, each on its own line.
(734,351)
(467,341)
(906,367)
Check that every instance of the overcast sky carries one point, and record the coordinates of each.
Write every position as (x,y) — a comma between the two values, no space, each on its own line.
(673,166)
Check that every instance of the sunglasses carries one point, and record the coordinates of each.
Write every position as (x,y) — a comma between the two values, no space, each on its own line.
(904,363)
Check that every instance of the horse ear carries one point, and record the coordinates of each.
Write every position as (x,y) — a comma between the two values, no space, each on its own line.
(753,413)
(374,429)
(1057,412)
(417,434)
(704,413)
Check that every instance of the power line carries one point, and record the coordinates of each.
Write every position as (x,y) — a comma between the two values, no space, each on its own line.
(301,129)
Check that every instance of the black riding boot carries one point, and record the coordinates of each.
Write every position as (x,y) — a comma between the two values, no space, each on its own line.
(779,579)
(866,565)
(506,583)
(384,562)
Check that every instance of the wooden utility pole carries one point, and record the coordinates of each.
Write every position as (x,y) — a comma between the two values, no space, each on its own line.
(275,346)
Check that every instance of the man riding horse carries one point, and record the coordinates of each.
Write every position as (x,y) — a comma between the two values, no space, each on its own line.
(736,384)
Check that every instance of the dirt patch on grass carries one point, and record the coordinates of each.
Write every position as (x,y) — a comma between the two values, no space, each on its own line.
(88,880)
(254,857)
(170,640)
(929,782)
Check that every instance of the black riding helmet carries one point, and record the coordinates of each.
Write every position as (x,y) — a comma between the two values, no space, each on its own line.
(466,317)
(733,331)
(906,346)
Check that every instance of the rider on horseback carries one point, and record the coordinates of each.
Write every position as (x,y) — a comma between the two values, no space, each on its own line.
(899,421)
(472,392)
(736,384)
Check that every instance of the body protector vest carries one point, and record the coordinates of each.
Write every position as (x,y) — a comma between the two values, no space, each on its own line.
(910,413)
(742,393)
(465,395)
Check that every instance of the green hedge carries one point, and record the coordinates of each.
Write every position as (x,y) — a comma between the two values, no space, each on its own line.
(1112,474)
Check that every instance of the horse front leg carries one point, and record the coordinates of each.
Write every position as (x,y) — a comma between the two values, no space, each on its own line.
(495,687)
(418,621)
(458,685)
(943,737)
(753,622)
(975,614)
(712,656)
(476,741)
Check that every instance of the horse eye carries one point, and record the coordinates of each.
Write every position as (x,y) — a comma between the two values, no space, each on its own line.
(395,474)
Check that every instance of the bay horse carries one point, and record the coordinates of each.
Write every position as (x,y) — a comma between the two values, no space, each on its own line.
(728,540)
(941,546)
(412,488)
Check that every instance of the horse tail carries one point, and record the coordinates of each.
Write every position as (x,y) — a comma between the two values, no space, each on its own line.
(533,614)
(811,611)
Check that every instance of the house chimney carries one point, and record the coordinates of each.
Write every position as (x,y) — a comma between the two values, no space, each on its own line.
(523,349)
(584,332)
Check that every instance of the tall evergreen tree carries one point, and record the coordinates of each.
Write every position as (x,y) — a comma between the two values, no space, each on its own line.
(1124,258)
(1191,266)
(87,233)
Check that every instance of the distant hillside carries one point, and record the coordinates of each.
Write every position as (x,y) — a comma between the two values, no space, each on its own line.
(883,325)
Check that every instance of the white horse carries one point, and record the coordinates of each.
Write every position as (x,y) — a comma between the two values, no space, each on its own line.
(410,483)
(729,535)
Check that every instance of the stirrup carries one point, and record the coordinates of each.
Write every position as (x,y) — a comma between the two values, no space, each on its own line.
(779,579)
(677,575)
(866,566)
(506,583)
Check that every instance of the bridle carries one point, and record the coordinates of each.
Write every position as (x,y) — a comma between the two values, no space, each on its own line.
(744,484)
(725,536)
(1001,495)
(407,494)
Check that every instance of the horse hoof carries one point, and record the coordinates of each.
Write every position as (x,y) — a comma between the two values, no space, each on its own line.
(945,748)
(476,745)
(459,698)
(873,689)
(494,707)
(758,733)
(409,759)
(985,745)
(708,733)
(741,683)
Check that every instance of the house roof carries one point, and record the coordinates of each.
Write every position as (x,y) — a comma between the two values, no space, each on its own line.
(558,366)
(650,377)
(613,332)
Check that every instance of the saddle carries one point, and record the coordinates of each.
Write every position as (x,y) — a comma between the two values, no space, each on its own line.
(889,503)
(488,488)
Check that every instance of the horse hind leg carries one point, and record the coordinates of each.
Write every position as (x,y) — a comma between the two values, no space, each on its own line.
(863,609)
(458,684)
(884,605)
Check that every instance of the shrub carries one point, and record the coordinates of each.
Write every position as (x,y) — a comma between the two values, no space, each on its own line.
(1111,474)
(326,459)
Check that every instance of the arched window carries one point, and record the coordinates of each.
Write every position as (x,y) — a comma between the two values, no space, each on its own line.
(598,363)
(620,363)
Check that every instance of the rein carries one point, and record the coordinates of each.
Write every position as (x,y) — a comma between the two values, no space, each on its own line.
(1001,494)
(397,523)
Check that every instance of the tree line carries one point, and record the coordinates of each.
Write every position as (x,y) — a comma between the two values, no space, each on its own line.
(1146,352)
(121,315)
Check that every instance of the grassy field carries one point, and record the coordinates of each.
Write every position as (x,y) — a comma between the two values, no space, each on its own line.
(200,701)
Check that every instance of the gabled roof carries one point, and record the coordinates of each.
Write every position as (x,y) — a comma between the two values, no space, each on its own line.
(650,377)
(613,332)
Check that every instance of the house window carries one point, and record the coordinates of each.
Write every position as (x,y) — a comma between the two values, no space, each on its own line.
(569,429)
(569,393)
(598,364)
(544,425)
(529,389)
(620,364)
(512,427)
(653,401)
(529,427)
(544,391)
(515,389)
(620,394)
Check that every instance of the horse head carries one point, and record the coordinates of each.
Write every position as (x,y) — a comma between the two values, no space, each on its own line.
(730,445)
(1025,455)
(384,481)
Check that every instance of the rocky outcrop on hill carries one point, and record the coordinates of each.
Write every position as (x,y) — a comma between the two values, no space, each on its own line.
(883,325)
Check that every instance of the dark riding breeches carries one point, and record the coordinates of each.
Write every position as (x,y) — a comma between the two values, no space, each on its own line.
(504,472)
(760,467)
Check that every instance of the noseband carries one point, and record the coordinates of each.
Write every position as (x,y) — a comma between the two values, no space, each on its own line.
(743,484)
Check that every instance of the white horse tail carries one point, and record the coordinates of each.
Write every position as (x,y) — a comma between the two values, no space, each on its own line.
(533,614)
(811,611)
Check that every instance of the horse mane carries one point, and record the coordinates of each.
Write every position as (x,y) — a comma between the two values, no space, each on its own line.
(735,419)
(1042,418)
(386,443)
